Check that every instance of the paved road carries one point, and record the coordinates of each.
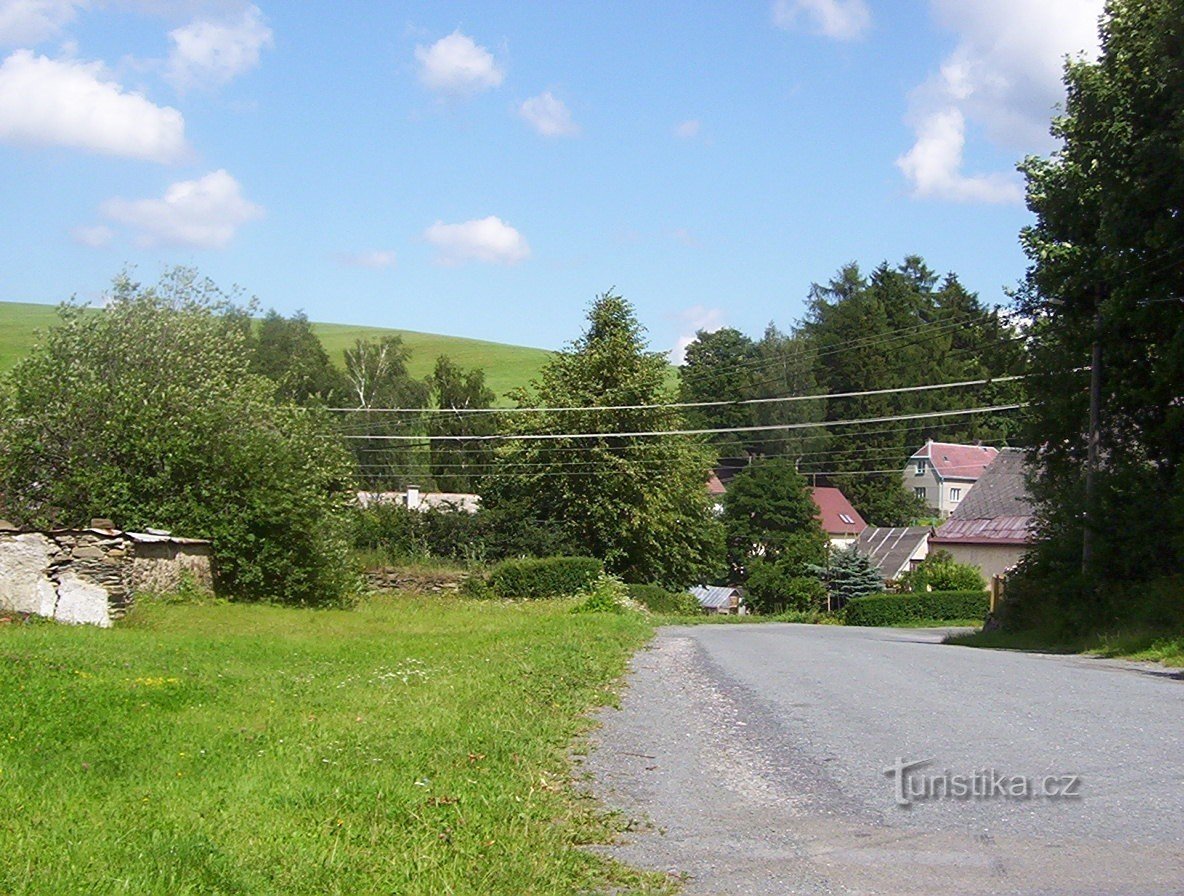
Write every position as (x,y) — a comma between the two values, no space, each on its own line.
(756,757)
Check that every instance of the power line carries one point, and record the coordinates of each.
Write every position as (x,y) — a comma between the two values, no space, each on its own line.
(687,432)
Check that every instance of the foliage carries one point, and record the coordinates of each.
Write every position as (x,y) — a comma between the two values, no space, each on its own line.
(607,594)
(147,413)
(770,515)
(849,575)
(775,588)
(892,609)
(657,599)
(546,577)
(1104,253)
(400,535)
(638,503)
(458,465)
(287,351)
(941,572)
(275,766)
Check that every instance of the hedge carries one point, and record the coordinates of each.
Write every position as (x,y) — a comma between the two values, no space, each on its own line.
(657,599)
(890,609)
(548,577)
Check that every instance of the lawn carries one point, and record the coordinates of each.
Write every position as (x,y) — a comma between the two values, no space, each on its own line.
(1149,646)
(410,746)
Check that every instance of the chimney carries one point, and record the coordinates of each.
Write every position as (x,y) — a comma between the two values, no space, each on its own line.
(413,497)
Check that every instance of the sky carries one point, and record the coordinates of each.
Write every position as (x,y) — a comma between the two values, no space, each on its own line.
(487,169)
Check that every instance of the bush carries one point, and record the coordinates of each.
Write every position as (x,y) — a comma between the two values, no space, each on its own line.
(772,589)
(392,533)
(892,609)
(657,599)
(941,572)
(548,577)
(607,594)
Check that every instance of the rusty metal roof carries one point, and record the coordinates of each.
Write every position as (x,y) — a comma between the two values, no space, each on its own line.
(1000,530)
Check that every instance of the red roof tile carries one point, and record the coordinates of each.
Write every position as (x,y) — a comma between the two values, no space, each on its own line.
(714,486)
(956,461)
(837,515)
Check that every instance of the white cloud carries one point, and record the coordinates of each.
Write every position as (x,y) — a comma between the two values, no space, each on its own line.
(375,259)
(47,102)
(456,65)
(694,319)
(211,53)
(93,237)
(204,213)
(486,239)
(1003,77)
(685,130)
(28,22)
(549,116)
(840,19)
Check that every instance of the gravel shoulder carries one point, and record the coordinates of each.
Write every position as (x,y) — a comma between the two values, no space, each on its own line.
(755,756)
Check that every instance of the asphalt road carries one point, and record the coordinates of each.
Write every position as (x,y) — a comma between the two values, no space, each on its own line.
(752,759)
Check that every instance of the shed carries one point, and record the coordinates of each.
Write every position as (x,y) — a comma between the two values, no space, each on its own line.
(722,600)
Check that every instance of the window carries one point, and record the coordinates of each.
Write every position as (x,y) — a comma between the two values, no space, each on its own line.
(919,491)
(921,467)
(955,494)
(847,519)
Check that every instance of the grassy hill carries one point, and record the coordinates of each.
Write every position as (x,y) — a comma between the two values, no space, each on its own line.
(506,366)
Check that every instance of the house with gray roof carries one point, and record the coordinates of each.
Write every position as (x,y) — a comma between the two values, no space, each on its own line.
(723,600)
(992,527)
(894,550)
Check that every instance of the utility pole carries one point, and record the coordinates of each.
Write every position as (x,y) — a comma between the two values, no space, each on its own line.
(1091,459)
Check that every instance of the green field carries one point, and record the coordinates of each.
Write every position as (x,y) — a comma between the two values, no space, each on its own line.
(410,746)
(506,366)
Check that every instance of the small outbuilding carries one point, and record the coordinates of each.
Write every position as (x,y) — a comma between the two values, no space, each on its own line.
(720,600)
(91,576)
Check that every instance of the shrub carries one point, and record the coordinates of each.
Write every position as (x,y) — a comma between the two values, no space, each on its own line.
(657,599)
(395,534)
(941,572)
(607,594)
(548,577)
(891,609)
(773,589)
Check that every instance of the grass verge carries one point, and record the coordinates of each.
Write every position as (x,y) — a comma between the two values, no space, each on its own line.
(410,746)
(1131,645)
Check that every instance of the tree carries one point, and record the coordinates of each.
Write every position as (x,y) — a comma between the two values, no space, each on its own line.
(286,350)
(457,466)
(770,518)
(637,502)
(1105,285)
(848,575)
(147,412)
(941,572)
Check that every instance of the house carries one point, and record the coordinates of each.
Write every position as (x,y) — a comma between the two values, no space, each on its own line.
(895,550)
(840,521)
(416,499)
(941,473)
(93,575)
(992,528)
(716,489)
(720,600)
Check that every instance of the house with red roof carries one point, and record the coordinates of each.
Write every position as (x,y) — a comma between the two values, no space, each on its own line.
(840,521)
(942,473)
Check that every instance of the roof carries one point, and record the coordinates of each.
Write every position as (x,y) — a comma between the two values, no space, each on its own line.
(714,597)
(892,548)
(952,461)
(152,536)
(714,486)
(837,515)
(998,510)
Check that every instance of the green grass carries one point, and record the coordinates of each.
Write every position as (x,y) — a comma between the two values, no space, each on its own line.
(410,746)
(506,366)
(1129,645)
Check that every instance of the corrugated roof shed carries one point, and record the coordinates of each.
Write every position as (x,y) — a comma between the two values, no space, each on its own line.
(953,461)
(837,515)
(891,548)
(716,597)
(998,510)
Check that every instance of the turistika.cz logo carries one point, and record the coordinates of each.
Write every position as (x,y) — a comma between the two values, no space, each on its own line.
(912,785)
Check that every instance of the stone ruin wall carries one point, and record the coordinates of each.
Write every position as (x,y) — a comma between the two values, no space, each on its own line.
(90,576)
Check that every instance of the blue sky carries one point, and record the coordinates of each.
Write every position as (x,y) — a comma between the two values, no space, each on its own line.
(485,169)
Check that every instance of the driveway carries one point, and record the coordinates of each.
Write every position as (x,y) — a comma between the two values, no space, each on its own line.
(754,760)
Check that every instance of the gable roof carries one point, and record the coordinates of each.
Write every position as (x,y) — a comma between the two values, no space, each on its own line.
(953,461)
(837,515)
(891,548)
(998,510)
(714,486)
(713,597)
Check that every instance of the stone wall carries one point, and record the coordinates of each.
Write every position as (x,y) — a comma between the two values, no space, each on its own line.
(92,575)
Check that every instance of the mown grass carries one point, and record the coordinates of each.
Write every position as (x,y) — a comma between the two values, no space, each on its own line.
(1130,645)
(409,746)
(506,366)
